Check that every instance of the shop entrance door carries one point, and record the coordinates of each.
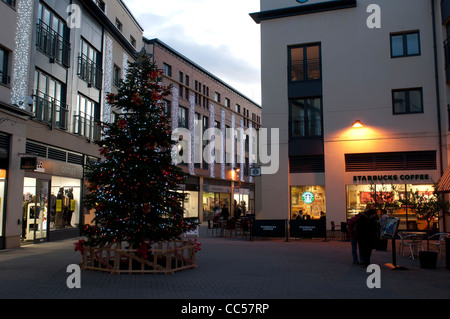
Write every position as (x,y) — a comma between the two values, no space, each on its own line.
(35,215)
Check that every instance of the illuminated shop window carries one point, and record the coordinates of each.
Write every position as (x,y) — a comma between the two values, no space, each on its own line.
(308,202)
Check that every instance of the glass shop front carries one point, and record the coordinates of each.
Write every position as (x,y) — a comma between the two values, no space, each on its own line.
(51,201)
(308,202)
(384,192)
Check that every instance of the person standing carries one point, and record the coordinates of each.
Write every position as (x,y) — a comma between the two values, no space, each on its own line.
(366,234)
(225,212)
(351,226)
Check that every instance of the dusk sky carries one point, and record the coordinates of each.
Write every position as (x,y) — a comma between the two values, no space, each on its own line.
(220,36)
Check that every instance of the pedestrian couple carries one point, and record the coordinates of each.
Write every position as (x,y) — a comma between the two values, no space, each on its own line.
(363,233)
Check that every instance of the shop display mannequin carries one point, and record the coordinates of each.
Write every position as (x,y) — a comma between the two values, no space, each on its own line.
(60,209)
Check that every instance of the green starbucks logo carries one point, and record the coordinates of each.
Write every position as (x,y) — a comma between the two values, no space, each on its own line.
(308,197)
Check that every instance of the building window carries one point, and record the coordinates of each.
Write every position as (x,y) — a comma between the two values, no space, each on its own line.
(167,69)
(308,202)
(12,3)
(85,116)
(167,107)
(304,63)
(407,101)
(381,195)
(205,164)
(100,4)
(183,117)
(238,108)
(405,44)
(116,75)
(52,36)
(119,25)
(49,101)
(132,41)
(217,97)
(4,78)
(89,65)
(306,118)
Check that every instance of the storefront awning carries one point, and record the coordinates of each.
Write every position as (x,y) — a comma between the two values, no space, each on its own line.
(443,185)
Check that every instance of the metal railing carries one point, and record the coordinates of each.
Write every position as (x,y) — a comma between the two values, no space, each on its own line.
(85,125)
(52,44)
(89,72)
(50,111)
(4,78)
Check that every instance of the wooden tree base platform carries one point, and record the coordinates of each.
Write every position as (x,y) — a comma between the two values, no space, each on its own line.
(161,258)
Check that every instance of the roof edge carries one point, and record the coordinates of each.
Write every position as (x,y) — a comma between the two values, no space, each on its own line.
(157,41)
(304,9)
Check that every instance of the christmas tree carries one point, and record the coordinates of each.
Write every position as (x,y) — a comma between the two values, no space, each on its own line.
(134,189)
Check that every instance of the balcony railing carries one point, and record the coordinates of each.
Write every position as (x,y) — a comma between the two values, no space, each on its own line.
(50,110)
(85,125)
(52,44)
(89,71)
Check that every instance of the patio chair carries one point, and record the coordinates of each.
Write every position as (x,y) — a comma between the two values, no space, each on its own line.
(411,240)
(212,226)
(440,240)
(230,226)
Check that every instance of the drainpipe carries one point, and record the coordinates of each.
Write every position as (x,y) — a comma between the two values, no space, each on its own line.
(438,102)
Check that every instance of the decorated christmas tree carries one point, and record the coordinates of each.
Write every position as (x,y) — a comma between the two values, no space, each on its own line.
(134,189)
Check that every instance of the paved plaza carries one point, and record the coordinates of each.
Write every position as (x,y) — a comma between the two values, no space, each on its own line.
(228,268)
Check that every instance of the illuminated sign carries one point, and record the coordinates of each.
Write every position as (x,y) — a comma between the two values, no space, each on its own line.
(28,163)
(308,197)
(390,178)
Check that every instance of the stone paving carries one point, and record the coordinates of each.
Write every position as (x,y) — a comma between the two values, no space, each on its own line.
(228,268)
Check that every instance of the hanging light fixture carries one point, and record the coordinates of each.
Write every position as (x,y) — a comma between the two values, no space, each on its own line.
(357,124)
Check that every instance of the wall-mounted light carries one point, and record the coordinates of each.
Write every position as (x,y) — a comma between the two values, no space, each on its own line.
(357,124)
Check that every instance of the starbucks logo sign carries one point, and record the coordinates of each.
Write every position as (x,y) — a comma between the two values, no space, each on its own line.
(308,197)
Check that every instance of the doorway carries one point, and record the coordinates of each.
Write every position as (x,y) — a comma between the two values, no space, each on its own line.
(35,210)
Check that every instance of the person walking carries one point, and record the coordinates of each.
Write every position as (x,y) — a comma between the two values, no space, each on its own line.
(366,234)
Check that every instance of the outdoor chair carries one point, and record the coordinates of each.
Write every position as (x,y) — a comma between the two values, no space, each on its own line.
(230,226)
(212,227)
(334,227)
(440,240)
(344,231)
(245,227)
(410,240)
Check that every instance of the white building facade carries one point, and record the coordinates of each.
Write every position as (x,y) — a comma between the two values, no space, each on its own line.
(327,64)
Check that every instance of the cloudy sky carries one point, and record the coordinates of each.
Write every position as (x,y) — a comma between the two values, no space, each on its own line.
(220,36)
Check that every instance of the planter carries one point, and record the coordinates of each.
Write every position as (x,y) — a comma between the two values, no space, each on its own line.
(161,257)
(428,259)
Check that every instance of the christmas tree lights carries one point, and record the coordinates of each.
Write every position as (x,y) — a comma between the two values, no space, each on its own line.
(134,189)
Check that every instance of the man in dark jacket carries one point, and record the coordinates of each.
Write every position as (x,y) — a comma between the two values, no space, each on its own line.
(366,234)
